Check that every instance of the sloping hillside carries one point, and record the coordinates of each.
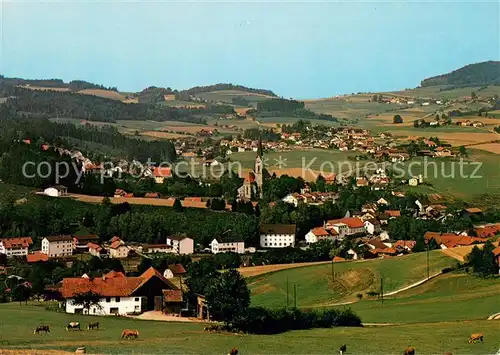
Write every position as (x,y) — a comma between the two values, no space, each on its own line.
(315,286)
(479,74)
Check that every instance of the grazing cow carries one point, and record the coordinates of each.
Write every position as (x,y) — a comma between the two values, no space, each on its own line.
(233,351)
(41,328)
(475,337)
(343,349)
(93,325)
(410,351)
(130,333)
(73,326)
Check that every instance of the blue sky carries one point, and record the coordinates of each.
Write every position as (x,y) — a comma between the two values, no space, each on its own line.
(298,49)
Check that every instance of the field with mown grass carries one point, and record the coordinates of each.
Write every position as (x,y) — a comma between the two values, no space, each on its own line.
(316,288)
(449,297)
(16,332)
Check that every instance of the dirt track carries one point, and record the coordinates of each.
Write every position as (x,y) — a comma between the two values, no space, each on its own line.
(264,269)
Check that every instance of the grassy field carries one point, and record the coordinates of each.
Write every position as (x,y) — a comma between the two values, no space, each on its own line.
(445,177)
(16,332)
(449,297)
(315,286)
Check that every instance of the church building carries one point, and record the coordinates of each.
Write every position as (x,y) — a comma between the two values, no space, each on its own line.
(252,186)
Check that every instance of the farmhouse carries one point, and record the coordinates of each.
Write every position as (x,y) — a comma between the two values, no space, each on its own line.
(58,246)
(320,233)
(277,235)
(372,226)
(15,246)
(181,244)
(56,191)
(96,250)
(80,243)
(120,295)
(159,174)
(117,248)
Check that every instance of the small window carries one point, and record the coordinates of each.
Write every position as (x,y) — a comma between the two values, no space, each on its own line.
(117,299)
(137,299)
(108,299)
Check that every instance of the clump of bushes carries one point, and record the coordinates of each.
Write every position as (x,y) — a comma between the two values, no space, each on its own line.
(259,320)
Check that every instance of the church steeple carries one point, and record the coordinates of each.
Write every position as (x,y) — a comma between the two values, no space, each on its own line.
(260,151)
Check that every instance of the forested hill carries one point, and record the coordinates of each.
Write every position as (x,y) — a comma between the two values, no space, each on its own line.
(218,87)
(479,74)
(74,85)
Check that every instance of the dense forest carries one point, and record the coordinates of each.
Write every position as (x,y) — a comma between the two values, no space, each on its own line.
(73,85)
(47,104)
(40,131)
(479,74)
(154,94)
(219,87)
(287,108)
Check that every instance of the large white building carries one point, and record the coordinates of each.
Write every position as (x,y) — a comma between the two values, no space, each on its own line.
(181,244)
(346,226)
(277,235)
(15,246)
(121,295)
(58,246)
(220,246)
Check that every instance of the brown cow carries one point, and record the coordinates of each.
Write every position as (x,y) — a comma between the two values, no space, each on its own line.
(475,337)
(233,351)
(41,328)
(410,351)
(130,333)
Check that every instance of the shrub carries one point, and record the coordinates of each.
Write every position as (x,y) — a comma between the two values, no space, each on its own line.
(259,320)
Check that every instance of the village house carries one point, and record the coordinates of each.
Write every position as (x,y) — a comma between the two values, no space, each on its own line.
(173,271)
(58,246)
(15,246)
(346,226)
(80,243)
(277,235)
(443,152)
(372,226)
(96,250)
(36,257)
(120,295)
(161,173)
(120,193)
(218,245)
(56,191)
(117,248)
(181,244)
(451,240)
(320,233)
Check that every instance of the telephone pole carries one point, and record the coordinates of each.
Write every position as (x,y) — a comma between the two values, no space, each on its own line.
(287,295)
(333,272)
(427,261)
(382,289)
(295,295)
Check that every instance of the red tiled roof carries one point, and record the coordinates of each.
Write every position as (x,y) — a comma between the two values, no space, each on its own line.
(115,286)
(393,213)
(94,246)
(172,295)
(21,242)
(352,222)
(473,210)
(451,240)
(120,192)
(116,244)
(487,231)
(383,251)
(377,243)
(162,172)
(36,256)
(177,269)
(152,195)
(404,244)
(337,259)
(319,231)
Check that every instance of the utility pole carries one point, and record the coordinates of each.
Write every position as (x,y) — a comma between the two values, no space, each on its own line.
(427,261)
(382,289)
(287,295)
(295,295)
(333,272)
